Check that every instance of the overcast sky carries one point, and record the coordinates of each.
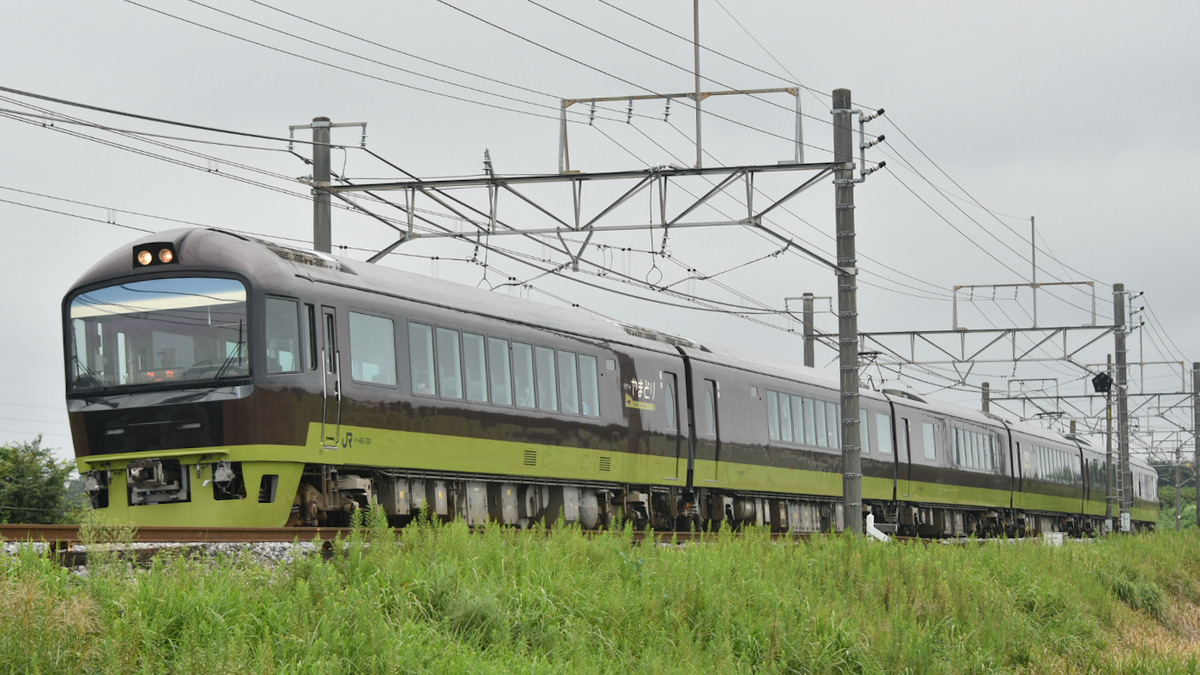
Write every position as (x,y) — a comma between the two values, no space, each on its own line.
(1078,114)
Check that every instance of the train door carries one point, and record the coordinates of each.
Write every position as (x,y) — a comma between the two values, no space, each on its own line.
(708,428)
(675,439)
(1019,463)
(903,455)
(331,409)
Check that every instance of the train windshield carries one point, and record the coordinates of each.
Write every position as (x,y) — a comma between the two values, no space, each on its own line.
(158,332)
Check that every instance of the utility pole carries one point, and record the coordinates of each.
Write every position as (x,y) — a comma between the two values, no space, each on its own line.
(1178,501)
(1110,488)
(696,48)
(322,231)
(810,356)
(1033,245)
(1196,433)
(843,180)
(1124,477)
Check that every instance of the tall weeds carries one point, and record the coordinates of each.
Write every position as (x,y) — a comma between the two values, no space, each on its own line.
(436,597)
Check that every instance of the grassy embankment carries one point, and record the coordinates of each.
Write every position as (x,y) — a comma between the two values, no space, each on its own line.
(448,601)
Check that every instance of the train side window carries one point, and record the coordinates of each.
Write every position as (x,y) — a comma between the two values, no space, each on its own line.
(283,336)
(797,419)
(710,408)
(310,317)
(499,371)
(903,446)
(772,415)
(883,432)
(449,364)
(669,404)
(864,426)
(930,437)
(372,349)
(822,420)
(420,350)
(475,367)
(785,417)
(547,385)
(523,375)
(833,424)
(810,423)
(589,385)
(330,343)
(568,382)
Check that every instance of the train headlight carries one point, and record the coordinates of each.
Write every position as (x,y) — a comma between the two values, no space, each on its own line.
(159,253)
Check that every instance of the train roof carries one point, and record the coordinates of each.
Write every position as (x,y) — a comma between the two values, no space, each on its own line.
(278,267)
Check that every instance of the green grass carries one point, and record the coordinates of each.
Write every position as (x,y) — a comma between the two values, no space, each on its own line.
(439,599)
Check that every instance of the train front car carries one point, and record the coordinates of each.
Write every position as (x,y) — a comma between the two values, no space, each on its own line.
(166,344)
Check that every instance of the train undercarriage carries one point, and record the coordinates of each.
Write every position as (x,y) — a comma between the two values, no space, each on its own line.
(331,495)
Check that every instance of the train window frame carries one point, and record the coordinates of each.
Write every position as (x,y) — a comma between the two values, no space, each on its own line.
(567,363)
(545,378)
(499,371)
(864,428)
(474,353)
(449,366)
(773,416)
(429,378)
(929,440)
(797,419)
(883,432)
(711,426)
(670,403)
(589,385)
(785,419)
(367,337)
(290,312)
(310,317)
(524,382)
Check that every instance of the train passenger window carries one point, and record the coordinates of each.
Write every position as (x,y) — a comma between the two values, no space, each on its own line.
(883,432)
(785,417)
(822,420)
(523,374)
(710,408)
(499,371)
(930,437)
(797,419)
(589,385)
(772,415)
(449,364)
(669,401)
(283,336)
(372,349)
(833,424)
(547,386)
(330,343)
(810,423)
(474,366)
(568,382)
(311,320)
(864,426)
(420,352)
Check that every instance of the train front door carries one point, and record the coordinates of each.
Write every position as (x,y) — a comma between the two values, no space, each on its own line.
(331,408)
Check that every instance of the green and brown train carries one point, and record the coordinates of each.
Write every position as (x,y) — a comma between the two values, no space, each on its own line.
(215,379)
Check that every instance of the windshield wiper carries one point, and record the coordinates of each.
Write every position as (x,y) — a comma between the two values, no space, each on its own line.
(88,379)
(236,355)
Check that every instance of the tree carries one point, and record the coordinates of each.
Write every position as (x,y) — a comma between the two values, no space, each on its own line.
(33,485)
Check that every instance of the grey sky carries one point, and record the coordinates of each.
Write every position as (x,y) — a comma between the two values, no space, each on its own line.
(1075,113)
